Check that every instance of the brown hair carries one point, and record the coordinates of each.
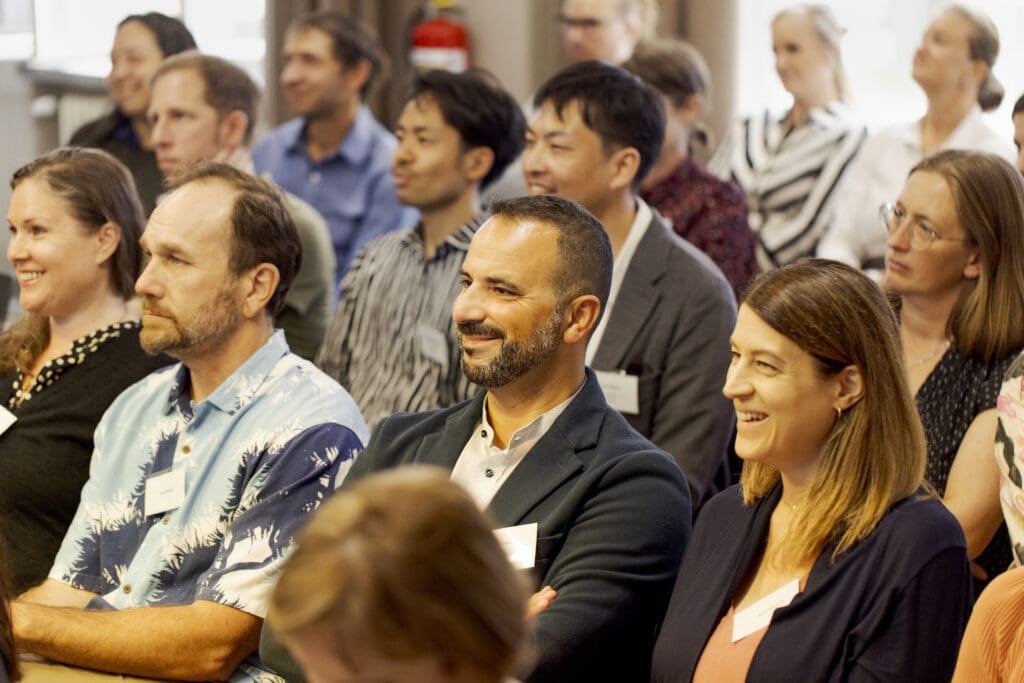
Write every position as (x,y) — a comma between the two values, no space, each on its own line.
(262,226)
(405,564)
(829,32)
(97,189)
(352,41)
(227,88)
(988,194)
(875,453)
(983,43)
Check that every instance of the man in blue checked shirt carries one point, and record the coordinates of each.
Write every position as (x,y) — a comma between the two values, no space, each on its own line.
(202,471)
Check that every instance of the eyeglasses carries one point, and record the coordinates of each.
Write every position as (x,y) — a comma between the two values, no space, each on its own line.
(921,236)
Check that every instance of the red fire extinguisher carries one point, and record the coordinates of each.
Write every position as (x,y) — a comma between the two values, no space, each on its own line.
(440,41)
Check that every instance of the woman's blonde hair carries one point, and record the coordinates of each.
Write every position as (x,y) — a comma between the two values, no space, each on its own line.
(875,453)
(830,33)
(405,565)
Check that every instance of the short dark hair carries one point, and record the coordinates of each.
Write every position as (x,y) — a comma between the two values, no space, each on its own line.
(672,67)
(171,35)
(474,104)
(623,110)
(227,88)
(263,229)
(352,41)
(1018,106)
(585,254)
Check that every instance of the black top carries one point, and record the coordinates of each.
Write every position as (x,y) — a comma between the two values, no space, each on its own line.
(891,608)
(113,134)
(957,391)
(44,455)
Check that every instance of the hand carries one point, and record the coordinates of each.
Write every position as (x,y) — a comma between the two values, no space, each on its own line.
(540,601)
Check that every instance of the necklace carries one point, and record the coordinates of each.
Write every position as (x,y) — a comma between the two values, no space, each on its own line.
(921,361)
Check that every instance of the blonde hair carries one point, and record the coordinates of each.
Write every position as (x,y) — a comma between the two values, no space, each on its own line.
(875,453)
(405,564)
(983,43)
(829,32)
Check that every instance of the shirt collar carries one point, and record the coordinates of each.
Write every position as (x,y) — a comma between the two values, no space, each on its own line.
(458,240)
(537,427)
(354,148)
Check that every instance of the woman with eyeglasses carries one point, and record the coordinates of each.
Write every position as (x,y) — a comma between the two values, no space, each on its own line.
(955,262)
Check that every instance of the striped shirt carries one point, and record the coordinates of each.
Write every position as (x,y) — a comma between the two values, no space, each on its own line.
(392,342)
(789,176)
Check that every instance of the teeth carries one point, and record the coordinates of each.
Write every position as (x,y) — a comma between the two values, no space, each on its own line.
(750,417)
(29,277)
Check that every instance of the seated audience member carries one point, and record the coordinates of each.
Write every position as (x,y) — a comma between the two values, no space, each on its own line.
(335,155)
(9,669)
(956,259)
(660,348)
(1018,131)
(992,650)
(789,165)
(392,342)
(75,222)
(709,213)
(829,532)
(203,108)
(542,446)
(953,67)
(204,471)
(142,41)
(401,578)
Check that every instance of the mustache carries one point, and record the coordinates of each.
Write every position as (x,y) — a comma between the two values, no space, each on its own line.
(152,308)
(477,329)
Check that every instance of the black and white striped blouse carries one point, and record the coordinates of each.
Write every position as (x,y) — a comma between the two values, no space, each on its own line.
(789,176)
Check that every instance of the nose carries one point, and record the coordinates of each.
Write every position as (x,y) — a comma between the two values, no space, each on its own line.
(899,236)
(290,74)
(146,284)
(736,384)
(159,134)
(117,70)
(16,248)
(467,306)
(402,153)
(533,160)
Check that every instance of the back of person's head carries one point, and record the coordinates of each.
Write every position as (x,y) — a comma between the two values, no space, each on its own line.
(262,227)
(983,42)
(171,35)
(227,87)
(404,564)
(988,195)
(352,42)
(619,107)
(98,189)
(474,104)
(875,453)
(830,33)
(585,253)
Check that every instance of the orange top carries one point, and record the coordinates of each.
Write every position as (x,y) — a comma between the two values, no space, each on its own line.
(993,644)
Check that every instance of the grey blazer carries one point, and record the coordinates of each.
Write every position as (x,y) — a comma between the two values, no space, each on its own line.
(670,326)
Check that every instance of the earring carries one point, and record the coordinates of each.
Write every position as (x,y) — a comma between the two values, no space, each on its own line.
(839,412)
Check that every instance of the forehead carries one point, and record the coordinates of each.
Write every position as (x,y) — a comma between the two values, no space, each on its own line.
(136,36)
(196,214)
(753,335)
(796,26)
(423,111)
(34,196)
(180,87)
(310,40)
(927,190)
(952,24)
(569,121)
(520,251)
(592,9)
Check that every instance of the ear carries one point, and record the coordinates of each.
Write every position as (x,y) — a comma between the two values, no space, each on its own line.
(851,387)
(231,129)
(357,75)
(691,110)
(972,269)
(260,283)
(581,314)
(107,239)
(477,163)
(625,163)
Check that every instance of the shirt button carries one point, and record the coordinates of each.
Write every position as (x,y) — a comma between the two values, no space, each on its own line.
(127,588)
(483,433)
(186,449)
(489,472)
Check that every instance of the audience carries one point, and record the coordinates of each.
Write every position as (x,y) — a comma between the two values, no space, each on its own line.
(660,349)
(709,213)
(602,514)
(204,108)
(400,578)
(75,222)
(953,66)
(456,134)
(203,471)
(335,155)
(956,259)
(789,165)
(142,41)
(828,561)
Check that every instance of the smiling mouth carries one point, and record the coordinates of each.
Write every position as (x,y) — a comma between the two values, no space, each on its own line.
(749,417)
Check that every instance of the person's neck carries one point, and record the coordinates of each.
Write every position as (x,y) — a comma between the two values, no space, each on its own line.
(946,109)
(923,319)
(796,485)
(208,369)
(101,312)
(667,163)
(801,109)
(617,216)
(515,405)
(440,222)
(325,132)
(142,129)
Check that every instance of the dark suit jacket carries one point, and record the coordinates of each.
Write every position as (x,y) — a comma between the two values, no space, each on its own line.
(670,325)
(613,516)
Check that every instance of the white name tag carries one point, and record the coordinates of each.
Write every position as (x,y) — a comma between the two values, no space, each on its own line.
(7,418)
(519,544)
(621,390)
(433,345)
(164,491)
(759,615)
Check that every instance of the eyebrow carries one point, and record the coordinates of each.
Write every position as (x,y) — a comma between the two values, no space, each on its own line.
(491,280)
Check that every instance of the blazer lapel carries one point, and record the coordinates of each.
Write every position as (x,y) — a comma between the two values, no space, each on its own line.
(444,448)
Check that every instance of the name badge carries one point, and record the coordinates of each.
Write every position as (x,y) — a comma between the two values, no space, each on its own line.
(164,491)
(759,615)
(433,345)
(621,390)
(519,544)
(7,418)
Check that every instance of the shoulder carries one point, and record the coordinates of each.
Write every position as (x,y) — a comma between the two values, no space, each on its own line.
(405,427)
(95,132)
(690,272)
(916,530)
(276,140)
(303,392)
